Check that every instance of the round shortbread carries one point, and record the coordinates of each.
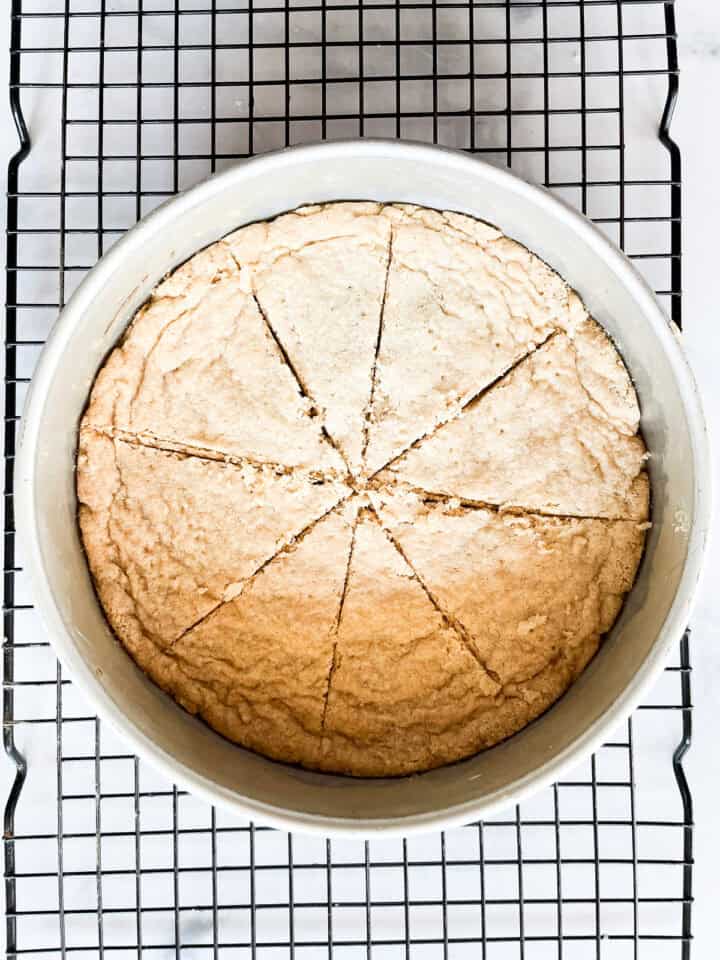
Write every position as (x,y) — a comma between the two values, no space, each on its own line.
(363,487)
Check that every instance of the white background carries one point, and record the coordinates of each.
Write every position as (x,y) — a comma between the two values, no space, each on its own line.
(697,129)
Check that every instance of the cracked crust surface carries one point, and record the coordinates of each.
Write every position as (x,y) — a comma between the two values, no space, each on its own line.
(558,434)
(323,298)
(363,487)
(459,312)
(168,537)
(198,367)
(257,668)
(525,588)
(406,692)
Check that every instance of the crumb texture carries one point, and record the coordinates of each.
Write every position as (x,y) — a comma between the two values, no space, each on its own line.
(323,297)
(363,487)
(404,685)
(524,588)
(558,434)
(198,366)
(169,536)
(459,312)
(257,668)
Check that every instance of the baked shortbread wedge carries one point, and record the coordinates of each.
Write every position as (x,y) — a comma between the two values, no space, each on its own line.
(558,435)
(458,314)
(320,278)
(524,589)
(199,369)
(257,668)
(168,536)
(406,692)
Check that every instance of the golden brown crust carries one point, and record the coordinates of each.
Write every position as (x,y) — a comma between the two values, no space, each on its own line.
(525,588)
(558,435)
(458,314)
(320,279)
(250,412)
(257,668)
(199,367)
(168,537)
(405,688)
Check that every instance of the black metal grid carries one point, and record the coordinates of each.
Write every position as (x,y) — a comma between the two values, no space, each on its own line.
(135,99)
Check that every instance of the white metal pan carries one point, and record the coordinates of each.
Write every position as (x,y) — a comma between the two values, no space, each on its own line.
(187,751)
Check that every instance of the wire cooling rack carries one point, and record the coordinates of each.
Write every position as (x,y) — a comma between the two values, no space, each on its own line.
(129,101)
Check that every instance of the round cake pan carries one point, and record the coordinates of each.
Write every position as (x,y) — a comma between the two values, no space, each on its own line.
(182,747)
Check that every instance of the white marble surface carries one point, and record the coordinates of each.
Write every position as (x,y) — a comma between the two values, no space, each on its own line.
(699,137)
(698,133)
